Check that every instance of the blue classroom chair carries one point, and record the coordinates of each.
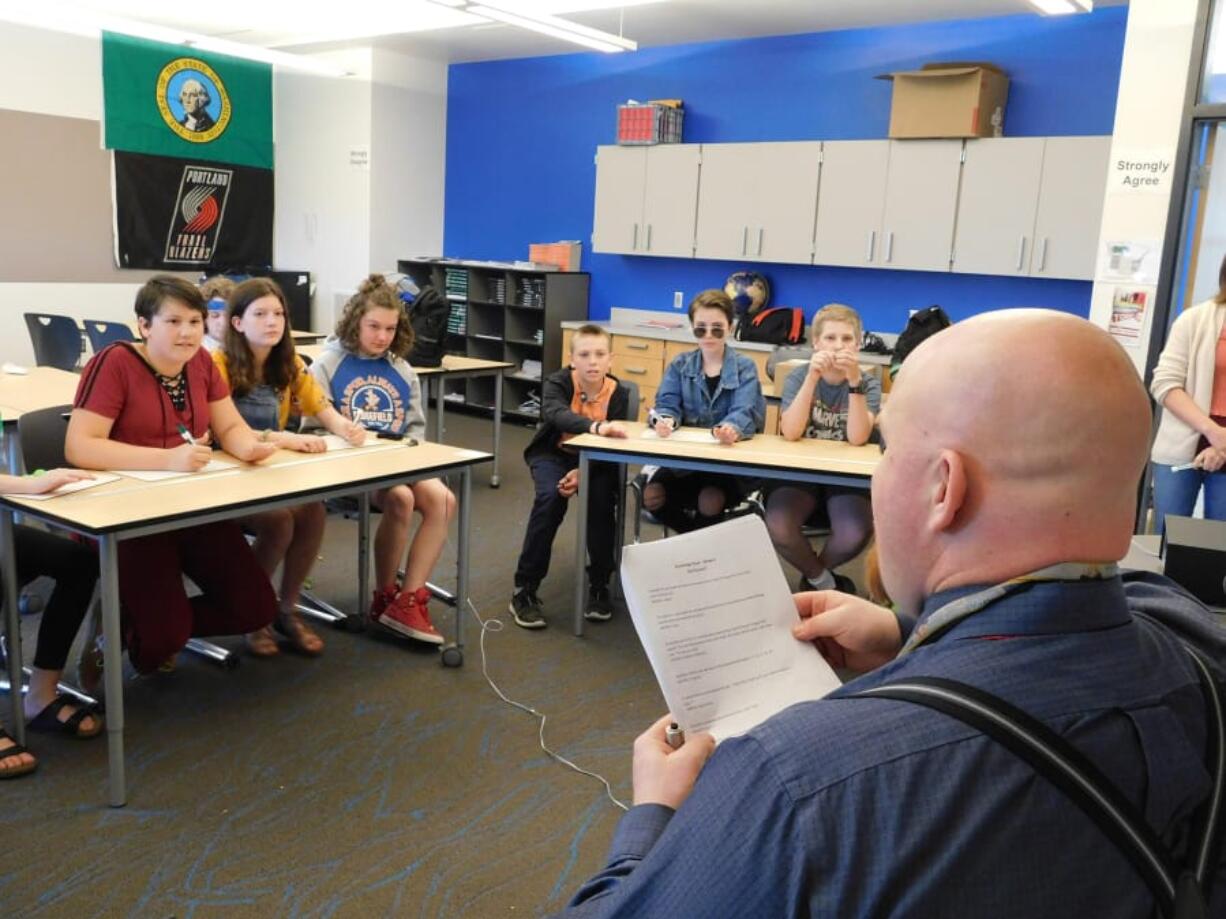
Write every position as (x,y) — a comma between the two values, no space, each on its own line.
(101,333)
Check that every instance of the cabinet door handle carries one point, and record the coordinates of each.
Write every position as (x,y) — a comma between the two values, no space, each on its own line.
(759,240)
(1043,255)
(889,246)
(744,240)
(872,244)
(641,371)
(1021,250)
(640,346)
(649,237)
(634,245)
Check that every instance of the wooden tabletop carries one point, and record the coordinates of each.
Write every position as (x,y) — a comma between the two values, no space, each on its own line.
(41,387)
(452,363)
(762,450)
(306,336)
(129,504)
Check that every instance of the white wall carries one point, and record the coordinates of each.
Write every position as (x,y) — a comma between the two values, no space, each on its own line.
(408,157)
(322,219)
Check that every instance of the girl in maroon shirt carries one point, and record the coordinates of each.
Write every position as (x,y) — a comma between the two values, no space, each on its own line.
(130,405)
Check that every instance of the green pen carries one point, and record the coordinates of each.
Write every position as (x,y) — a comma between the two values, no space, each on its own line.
(186,434)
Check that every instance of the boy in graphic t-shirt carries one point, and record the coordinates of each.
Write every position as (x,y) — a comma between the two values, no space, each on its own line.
(580,399)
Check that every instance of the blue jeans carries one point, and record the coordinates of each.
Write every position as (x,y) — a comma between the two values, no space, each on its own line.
(1175,493)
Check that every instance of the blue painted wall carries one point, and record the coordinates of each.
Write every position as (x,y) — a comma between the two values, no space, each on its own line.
(522,136)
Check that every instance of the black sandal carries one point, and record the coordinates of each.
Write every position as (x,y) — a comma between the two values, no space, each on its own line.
(15,749)
(48,720)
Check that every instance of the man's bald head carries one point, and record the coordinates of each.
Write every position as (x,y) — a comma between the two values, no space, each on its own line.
(1044,425)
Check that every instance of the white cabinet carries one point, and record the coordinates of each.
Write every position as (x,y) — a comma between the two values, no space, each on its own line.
(850,203)
(758,201)
(997,205)
(646,200)
(921,202)
(887,204)
(1070,207)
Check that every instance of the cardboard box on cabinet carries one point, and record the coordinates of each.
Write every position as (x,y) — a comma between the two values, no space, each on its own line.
(955,99)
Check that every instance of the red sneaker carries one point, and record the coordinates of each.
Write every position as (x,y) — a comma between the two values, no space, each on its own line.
(380,602)
(408,615)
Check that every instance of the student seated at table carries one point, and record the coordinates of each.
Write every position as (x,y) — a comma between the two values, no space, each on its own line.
(827,399)
(150,406)
(364,372)
(74,568)
(216,292)
(711,387)
(266,376)
(583,398)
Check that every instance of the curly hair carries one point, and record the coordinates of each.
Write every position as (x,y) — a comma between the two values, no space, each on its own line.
(218,286)
(282,365)
(375,293)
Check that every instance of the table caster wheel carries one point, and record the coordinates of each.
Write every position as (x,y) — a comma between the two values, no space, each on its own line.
(452,656)
(495,481)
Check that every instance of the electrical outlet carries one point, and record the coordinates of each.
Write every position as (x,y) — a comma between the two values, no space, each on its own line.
(678,299)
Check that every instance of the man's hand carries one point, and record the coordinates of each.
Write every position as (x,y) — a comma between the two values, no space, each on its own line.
(1210,459)
(848,363)
(190,457)
(1216,435)
(614,429)
(850,632)
(664,426)
(726,434)
(569,483)
(663,775)
(820,362)
(354,433)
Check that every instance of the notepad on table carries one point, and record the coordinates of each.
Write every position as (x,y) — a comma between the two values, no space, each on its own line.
(100,478)
(157,475)
(689,437)
(336,442)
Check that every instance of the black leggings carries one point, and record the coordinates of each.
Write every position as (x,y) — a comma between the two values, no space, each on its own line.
(74,568)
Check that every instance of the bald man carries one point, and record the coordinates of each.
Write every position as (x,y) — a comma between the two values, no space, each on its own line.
(195,99)
(1013,444)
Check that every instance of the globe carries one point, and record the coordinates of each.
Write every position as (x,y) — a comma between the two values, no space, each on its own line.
(748,290)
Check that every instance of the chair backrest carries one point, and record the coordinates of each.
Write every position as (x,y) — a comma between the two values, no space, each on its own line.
(56,340)
(42,437)
(632,399)
(101,333)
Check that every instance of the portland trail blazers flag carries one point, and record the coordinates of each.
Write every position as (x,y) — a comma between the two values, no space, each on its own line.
(193,154)
(181,214)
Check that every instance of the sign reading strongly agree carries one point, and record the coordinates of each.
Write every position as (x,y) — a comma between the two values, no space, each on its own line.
(1142,172)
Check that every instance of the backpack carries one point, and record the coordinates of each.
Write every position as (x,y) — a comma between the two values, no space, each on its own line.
(923,324)
(779,325)
(428,313)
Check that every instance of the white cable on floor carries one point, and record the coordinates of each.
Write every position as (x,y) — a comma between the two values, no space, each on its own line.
(1140,548)
(493,624)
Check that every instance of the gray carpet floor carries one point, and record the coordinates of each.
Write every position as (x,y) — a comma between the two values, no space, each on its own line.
(371,781)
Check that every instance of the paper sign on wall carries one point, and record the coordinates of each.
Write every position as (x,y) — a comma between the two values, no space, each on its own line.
(1144,172)
(1133,260)
(1128,314)
(359,158)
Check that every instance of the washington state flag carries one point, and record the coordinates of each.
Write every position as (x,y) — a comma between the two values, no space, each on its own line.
(170,100)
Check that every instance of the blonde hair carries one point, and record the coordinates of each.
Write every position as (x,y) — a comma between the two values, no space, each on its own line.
(836,312)
(218,286)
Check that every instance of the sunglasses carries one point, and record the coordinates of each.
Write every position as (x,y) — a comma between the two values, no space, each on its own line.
(715,331)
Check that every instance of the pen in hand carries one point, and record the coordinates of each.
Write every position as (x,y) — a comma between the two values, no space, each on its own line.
(186,434)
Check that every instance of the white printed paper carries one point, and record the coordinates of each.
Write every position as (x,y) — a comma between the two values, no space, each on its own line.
(157,475)
(689,437)
(100,478)
(715,616)
(336,442)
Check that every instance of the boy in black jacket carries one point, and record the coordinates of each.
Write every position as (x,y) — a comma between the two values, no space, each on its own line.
(580,399)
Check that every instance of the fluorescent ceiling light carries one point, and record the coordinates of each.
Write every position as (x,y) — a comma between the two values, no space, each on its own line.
(1062,7)
(61,17)
(607,42)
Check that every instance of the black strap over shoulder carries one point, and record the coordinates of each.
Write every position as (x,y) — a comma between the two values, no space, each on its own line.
(1181,891)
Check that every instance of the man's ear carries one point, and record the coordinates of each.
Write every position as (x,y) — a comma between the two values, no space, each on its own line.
(949,494)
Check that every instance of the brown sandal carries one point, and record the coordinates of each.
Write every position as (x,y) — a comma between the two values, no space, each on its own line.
(261,643)
(301,637)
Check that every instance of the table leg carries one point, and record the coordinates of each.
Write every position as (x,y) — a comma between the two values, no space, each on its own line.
(581,541)
(494,480)
(12,623)
(112,649)
(363,553)
(461,598)
(440,392)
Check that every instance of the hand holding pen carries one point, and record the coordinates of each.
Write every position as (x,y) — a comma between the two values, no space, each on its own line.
(193,455)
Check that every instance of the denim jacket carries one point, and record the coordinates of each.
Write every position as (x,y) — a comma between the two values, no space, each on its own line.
(737,401)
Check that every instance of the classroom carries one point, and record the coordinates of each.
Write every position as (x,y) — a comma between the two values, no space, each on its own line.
(576,286)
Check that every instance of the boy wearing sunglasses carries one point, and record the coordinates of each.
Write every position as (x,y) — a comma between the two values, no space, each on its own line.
(711,387)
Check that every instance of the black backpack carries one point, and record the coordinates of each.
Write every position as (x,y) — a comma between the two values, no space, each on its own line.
(779,325)
(428,314)
(923,324)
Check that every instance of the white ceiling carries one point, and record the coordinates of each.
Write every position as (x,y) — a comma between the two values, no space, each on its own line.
(433,31)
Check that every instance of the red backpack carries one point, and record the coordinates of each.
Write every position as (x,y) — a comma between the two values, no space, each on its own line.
(779,325)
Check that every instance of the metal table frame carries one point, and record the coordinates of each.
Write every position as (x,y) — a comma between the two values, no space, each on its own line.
(436,377)
(108,545)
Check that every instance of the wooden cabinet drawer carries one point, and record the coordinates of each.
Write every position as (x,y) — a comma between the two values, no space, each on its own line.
(772,418)
(759,359)
(647,398)
(644,371)
(564,357)
(642,348)
(673,348)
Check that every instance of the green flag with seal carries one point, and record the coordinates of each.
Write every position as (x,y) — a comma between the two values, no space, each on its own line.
(168,100)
